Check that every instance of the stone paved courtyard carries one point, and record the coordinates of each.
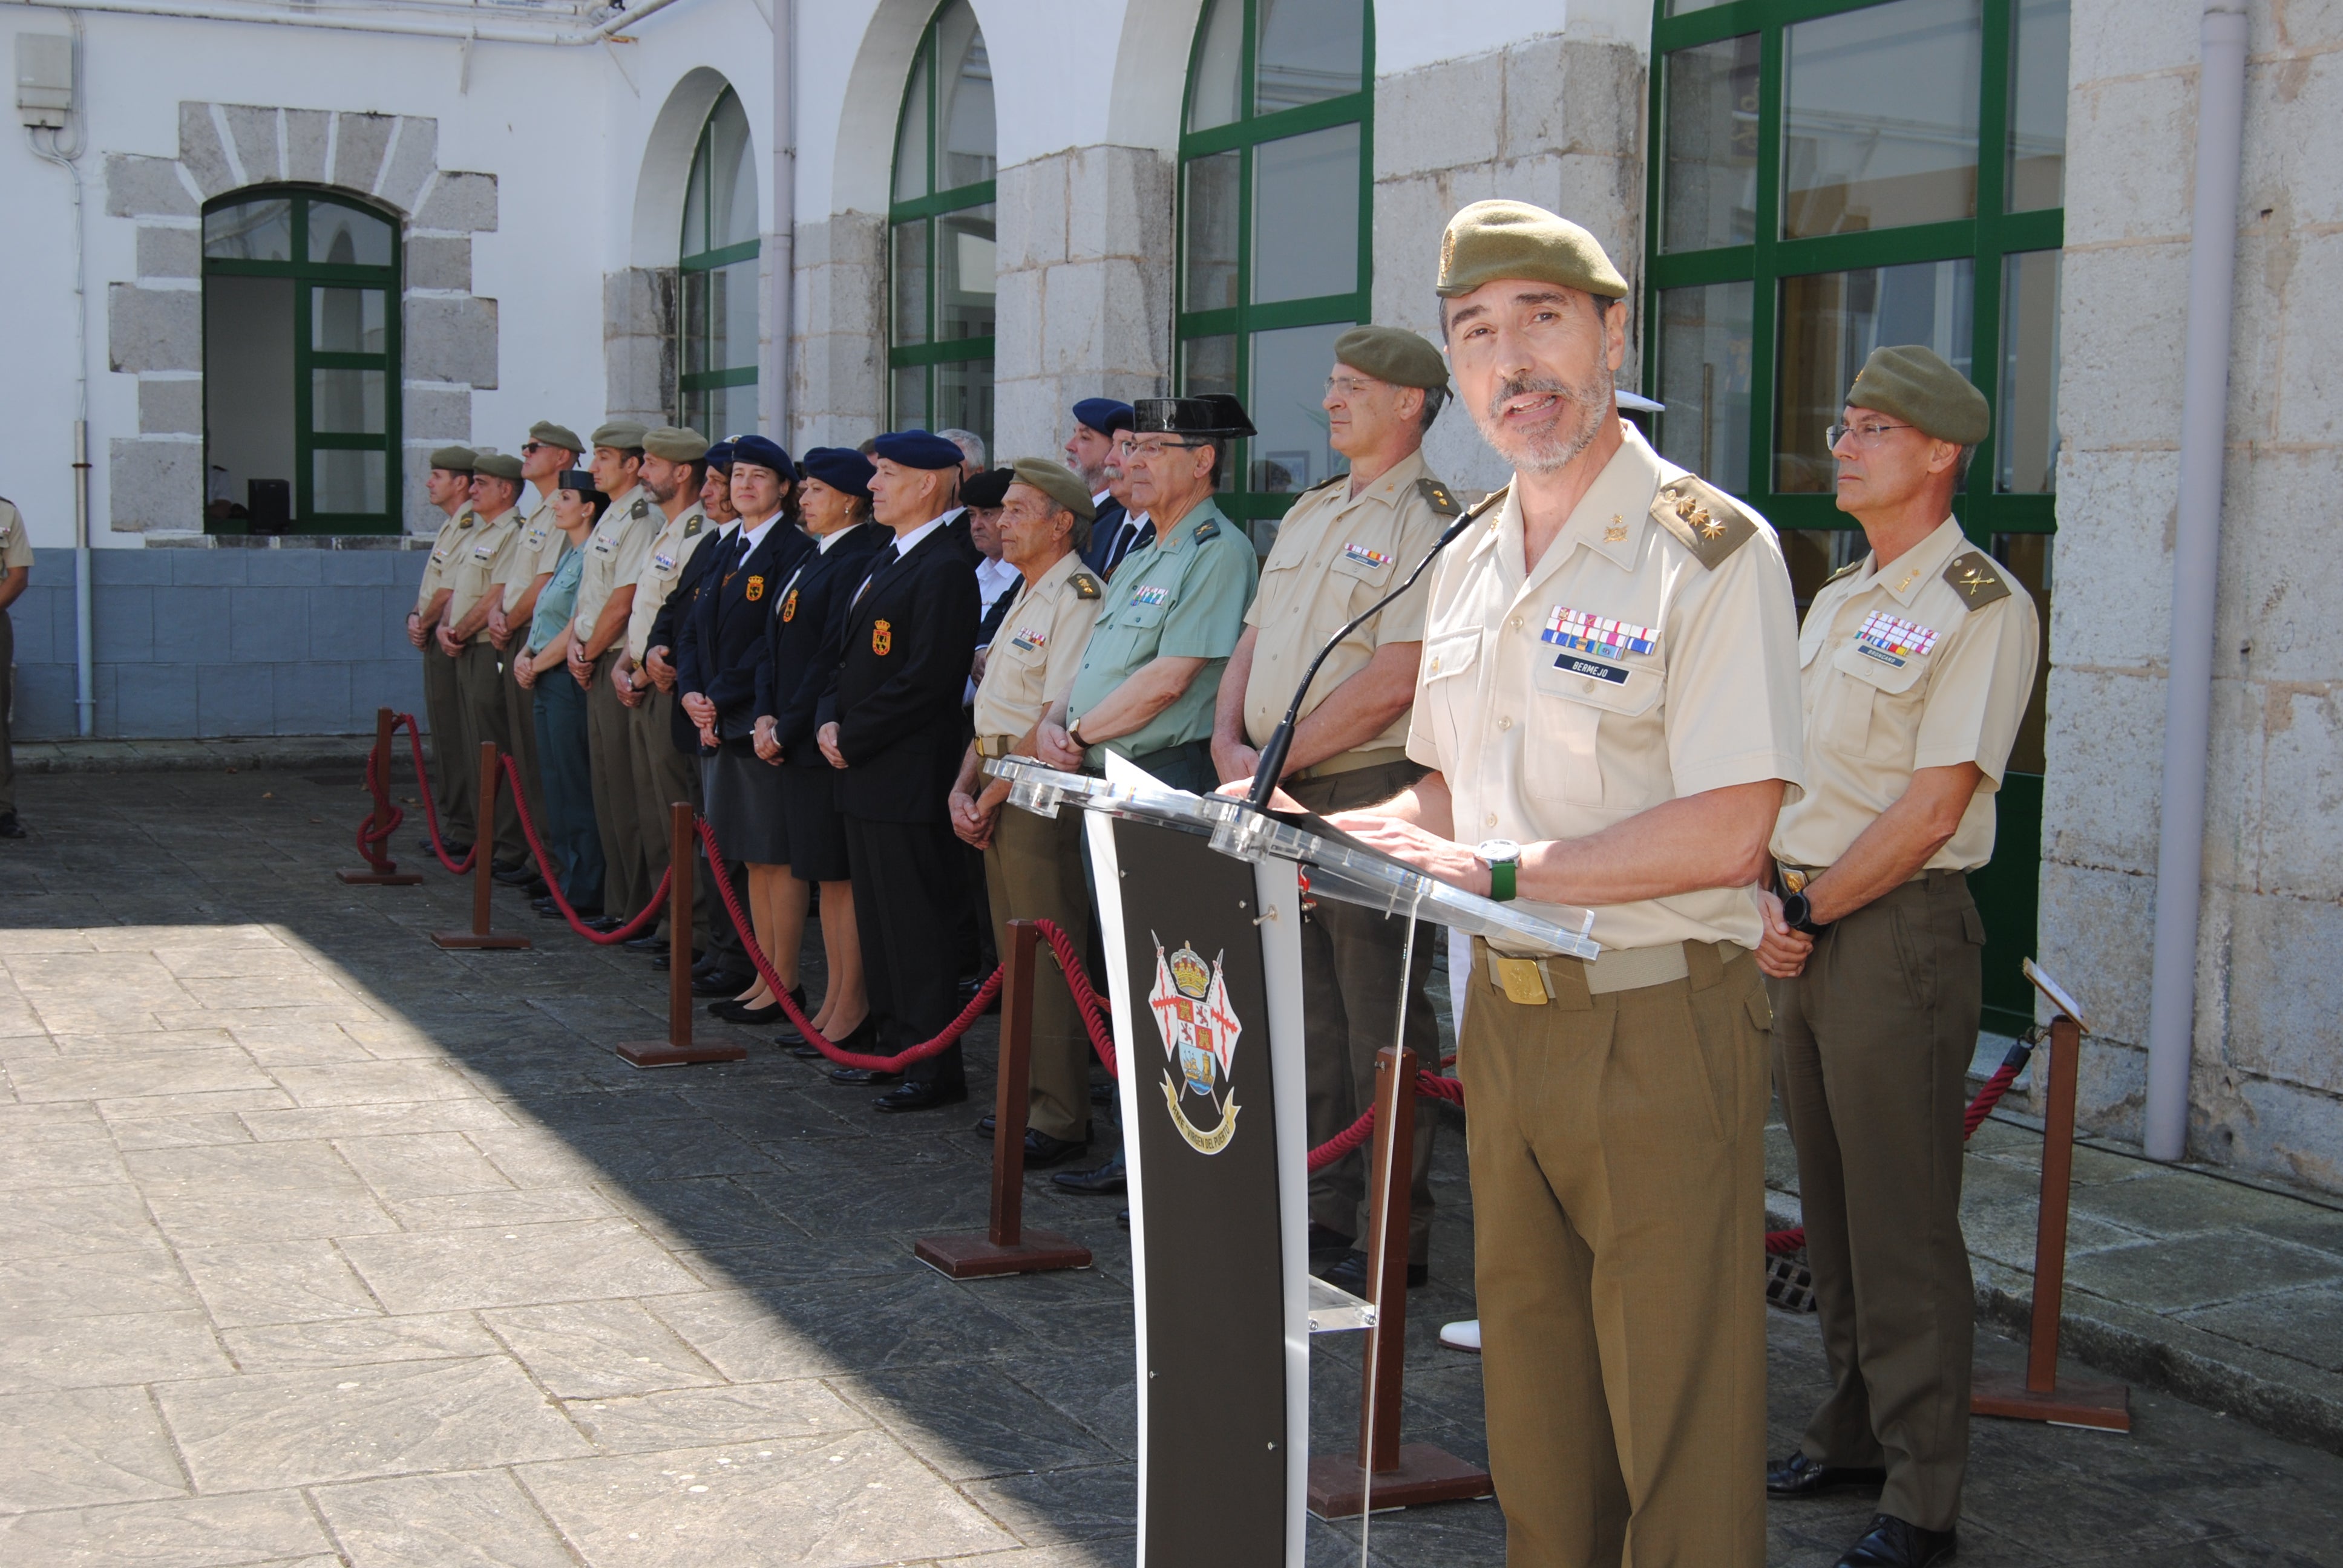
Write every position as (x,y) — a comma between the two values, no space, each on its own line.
(320,1245)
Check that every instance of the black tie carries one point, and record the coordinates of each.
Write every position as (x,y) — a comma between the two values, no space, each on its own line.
(878,563)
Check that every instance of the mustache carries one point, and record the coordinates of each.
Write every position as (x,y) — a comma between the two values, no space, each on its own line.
(1526,386)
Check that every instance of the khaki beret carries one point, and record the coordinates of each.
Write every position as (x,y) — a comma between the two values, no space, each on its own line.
(677,445)
(547,433)
(622,435)
(1493,239)
(498,466)
(1057,482)
(1922,390)
(1394,355)
(455,459)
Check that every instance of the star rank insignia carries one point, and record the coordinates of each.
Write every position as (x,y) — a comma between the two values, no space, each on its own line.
(1616,532)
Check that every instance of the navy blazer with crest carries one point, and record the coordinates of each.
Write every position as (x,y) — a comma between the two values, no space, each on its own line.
(729,631)
(906,648)
(804,637)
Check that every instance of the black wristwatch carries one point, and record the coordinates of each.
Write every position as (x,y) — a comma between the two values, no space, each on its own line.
(1798,914)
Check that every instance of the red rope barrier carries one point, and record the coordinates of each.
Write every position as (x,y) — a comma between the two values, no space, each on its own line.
(1429,1085)
(377,780)
(423,787)
(634,928)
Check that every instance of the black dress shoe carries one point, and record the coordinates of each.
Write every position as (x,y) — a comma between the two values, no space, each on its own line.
(1108,1180)
(861,1076)
(453,850)
(1041,1151)
(649,942)
(603,925)
(918,1097)
(1892,1542)
(9,827)
(741,1012)
(720,984)
(784,1029)
(536,889)
(1351,1274)
(514,873)
(863,1041)
(663,959)
(1798,1476)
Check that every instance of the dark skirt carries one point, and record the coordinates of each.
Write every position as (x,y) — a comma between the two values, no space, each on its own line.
(746,806)
(817,834)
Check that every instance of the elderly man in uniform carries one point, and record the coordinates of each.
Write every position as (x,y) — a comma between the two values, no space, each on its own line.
(1919,661)
(1089,452)
(448,487)
(1034,865)
(1344,545)
(1608,705)
(615,555)
(550,449)
(463,634)
(891,725)
(16,571)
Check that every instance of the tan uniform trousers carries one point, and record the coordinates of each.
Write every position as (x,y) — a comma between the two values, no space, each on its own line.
(480,687)
(1871,1050)
(8,703)
(458,768)
(662,776)
(1350,974)
(1617,1145)
(617,814)
(520,723)
(1033,872)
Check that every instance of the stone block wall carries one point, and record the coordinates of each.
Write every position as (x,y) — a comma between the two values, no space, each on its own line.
(638,341)
(2267,1090)
(837,353)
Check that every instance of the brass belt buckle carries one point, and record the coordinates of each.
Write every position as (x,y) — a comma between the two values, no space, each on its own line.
(1794,881)
(1522,980)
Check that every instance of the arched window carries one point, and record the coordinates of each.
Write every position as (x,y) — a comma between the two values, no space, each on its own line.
(716,389)
(300,364)
(1276,187)
(941,235)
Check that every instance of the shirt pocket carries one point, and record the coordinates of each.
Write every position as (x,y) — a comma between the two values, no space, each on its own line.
(1876,687)
(1574,696)
(1448,694)
(1371,561)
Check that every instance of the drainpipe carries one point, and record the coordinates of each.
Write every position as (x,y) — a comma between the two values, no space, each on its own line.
(2195,567)
(785,206)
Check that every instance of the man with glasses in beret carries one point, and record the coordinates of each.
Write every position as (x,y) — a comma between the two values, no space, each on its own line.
(1089,452)
(463,634)
(1919,661)
(614,555)
(550,449)
(448,487)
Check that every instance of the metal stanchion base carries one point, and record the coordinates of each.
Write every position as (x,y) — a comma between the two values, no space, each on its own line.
(394,877)
(976,1257)
(660,1054)
(497,940)
(2074,1402)
(1426,1474)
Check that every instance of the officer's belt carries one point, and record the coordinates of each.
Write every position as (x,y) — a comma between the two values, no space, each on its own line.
(1798,878)
(1535,982)
(992,748)
(1351,762)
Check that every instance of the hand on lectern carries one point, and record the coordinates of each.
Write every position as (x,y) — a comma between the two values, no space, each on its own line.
(1452,862)
(1278,799)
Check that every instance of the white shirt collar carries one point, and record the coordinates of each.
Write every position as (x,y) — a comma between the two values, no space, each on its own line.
(906,543)
(1101,499)
(824,541)
(756,536)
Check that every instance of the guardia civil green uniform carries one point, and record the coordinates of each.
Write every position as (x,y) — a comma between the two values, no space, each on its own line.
(532,560)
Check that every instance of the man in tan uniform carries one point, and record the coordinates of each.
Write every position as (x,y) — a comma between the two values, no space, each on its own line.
(675,463)
(1344,545)
(16,571)
(1608,702)
(1034,865)
(550,449)
(1919,661)
(448,487)
(462,634)
(615,554)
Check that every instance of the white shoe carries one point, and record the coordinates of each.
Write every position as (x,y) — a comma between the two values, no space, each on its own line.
(1462,1336)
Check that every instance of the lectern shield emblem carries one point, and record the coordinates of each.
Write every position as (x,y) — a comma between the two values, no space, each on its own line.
(1200,1030)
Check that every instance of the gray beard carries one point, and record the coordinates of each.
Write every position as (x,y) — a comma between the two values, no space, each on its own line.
(1584,408)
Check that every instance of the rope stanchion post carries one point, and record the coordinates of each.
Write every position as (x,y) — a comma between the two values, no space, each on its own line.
(1008,1248)
(1404,1474)
(484,887)
(374,839)
(2040,1395)
(677,1049)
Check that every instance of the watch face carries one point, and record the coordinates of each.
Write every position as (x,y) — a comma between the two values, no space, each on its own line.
(1495,850)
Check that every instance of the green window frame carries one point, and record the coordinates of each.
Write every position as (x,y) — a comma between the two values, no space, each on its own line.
(1218,335)
(712,282)
(940,237)
(310,361)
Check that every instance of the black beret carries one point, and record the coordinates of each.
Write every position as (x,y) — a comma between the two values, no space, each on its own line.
(1103,415)
(842,468)
(989,488)
(719,456)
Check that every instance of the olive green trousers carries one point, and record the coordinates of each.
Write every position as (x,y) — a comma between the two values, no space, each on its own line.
(1033,872)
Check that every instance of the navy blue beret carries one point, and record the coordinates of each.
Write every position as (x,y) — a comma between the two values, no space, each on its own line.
(842,468)
(719,456)
(1103,415)
(764,453)
(918,450)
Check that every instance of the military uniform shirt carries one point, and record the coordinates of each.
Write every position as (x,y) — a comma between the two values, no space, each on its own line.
(1334,556)
(16,548)
(616,552)
(443,555)
(1928,664)
(539,550)
(1182,597)
(1683,677)
(479,557)
(671,549)
(1038,648)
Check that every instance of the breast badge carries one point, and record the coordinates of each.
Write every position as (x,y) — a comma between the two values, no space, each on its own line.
(1200,1030)
(882,637)
(756,590)
(790,607)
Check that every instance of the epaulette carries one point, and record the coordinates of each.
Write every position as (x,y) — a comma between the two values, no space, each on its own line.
(467,519)
(1086,586)
(1331,479)
(640,510)
(1703,519)
(691,528)
(1849,569)
(1210,528)
(1435,496)
(1487,504)
(1976,579)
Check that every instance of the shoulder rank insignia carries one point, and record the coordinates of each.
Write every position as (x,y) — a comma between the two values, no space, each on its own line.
(1086,586)
(1975,579)
(1848,570)
(1331,478)
(641,508)
(1703,519)
(691,528)
(882,637)
(1435,496)
(1488,504)
(1210,528)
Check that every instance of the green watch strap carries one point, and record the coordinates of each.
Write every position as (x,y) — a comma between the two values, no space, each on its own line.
(1501,880)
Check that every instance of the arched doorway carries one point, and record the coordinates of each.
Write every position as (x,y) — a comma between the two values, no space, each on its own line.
(942,233)
(716,316)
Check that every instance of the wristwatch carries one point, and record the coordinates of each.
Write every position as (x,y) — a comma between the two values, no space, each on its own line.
(1074,733)
(1798,914)
(1504,859)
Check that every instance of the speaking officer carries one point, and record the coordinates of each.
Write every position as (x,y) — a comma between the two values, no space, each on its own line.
(1608,702)
(1344,545)
(1164,633)
(1920,660)
(1034,865)
(463,634)
(892,724)
(448,486)
(550,449)
(606,597)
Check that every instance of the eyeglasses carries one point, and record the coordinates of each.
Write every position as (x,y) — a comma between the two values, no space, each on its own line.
(531,448)
(1349,386)
(1156,448)
(1866,434)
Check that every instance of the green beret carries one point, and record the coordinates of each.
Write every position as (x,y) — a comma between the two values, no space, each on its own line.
(1493,239)
(1395,355)
(498,466)
(455,459)
(677,445)
(1057,482)
(1922,390)
(547,433)
(622,435)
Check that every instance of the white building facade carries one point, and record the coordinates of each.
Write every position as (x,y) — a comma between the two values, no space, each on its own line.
(318,239)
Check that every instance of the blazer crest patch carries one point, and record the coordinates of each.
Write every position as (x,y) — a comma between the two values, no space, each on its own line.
(882,638)
(756,590)
(790,607)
